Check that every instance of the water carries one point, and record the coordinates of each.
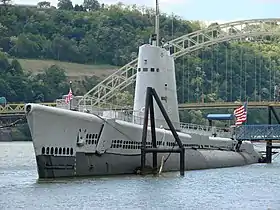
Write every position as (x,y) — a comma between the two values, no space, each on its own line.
(249,187)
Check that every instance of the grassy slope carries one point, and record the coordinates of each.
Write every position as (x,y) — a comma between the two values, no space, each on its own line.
(73,70)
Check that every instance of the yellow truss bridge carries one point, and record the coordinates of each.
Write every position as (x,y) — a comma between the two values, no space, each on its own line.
(19,108)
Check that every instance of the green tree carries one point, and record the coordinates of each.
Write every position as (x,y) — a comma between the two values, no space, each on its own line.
(124,99)
(78,7)
(91,5)
(65,4)
(5,2)
(44,4)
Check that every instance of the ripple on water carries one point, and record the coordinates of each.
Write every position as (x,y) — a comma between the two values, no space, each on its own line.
(249,187)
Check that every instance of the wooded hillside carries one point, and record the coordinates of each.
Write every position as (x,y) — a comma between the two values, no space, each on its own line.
(99,34)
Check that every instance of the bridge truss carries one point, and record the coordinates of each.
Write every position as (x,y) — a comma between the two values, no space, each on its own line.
(14,109)
(18,109)
(104,92)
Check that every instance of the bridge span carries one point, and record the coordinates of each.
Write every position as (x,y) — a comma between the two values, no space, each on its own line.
(16,109)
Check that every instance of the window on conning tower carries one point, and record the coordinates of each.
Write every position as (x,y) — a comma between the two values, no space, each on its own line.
(152,69)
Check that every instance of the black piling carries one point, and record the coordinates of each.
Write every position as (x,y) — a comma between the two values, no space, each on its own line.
(269,145)
(149,106)
(268,149)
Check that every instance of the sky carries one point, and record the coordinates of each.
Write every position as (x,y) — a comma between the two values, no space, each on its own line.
(204,10)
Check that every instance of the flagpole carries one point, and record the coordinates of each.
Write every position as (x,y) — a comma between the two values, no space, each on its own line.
(246,111)
(70,102)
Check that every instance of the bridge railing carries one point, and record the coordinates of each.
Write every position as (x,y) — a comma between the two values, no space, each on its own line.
(133,117)
(60,103)
(120,113)
(258,132)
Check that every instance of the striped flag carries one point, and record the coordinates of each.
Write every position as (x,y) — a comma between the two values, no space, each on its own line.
(240,114)
(69,97)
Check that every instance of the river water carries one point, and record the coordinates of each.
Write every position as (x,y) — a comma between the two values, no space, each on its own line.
(249,187)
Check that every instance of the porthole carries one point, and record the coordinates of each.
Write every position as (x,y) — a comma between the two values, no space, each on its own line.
(43,150)
(89,136)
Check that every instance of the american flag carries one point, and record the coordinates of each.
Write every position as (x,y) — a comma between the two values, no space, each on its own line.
(240,114)
(69,97)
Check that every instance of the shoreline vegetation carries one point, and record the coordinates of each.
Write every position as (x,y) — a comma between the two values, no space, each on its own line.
(43,47)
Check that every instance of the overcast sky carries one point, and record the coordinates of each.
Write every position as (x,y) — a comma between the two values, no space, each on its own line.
(206,10)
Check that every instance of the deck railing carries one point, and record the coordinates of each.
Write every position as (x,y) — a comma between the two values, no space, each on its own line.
(122,113)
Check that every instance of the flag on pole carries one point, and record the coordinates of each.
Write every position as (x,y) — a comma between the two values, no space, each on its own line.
(240,114)
(69,97)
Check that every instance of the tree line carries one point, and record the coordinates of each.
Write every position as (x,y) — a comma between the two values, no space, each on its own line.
(19,85)
(95,33)
(98,34)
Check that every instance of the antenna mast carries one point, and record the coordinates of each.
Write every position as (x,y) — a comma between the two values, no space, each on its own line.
(157,23)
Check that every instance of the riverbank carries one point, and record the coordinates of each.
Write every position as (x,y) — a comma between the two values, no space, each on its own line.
(18,133)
